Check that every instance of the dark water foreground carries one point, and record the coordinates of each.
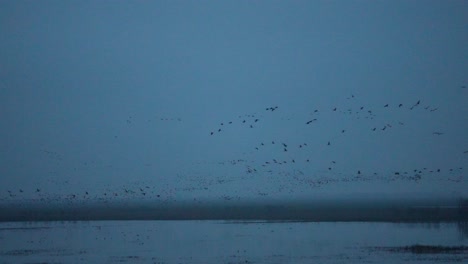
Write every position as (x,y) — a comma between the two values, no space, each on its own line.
(321,210)
(207,242)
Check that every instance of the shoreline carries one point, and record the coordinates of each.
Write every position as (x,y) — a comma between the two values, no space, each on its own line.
(319,210)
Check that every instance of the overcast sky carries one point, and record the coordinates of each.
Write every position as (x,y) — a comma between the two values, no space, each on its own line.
(114,96)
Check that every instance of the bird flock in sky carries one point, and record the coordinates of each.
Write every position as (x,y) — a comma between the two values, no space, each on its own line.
(297,166)
(285,165)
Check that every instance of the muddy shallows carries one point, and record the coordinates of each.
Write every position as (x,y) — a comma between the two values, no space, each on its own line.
(426,249)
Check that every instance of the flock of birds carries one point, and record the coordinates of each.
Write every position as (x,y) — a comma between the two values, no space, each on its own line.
(297,166)
(291,167)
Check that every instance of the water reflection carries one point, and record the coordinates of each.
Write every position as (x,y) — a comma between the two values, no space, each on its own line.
(229,241)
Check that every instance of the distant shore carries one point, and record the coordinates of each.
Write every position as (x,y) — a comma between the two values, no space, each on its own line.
(324,210)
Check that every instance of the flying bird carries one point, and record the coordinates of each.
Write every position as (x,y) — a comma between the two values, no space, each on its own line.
(416,104)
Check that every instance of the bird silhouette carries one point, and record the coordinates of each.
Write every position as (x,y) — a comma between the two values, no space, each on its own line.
(416,104)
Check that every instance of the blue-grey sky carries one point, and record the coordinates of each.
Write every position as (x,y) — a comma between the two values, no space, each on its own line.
(108,97)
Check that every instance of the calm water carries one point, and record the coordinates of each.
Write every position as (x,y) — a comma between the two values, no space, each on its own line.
(225,242)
